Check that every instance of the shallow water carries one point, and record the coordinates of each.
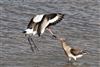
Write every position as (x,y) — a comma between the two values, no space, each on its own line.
(80,27)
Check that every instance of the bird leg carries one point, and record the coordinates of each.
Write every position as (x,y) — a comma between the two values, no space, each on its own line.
(69,60)
(30,40)
(34,45)
(30,44)
(51,33)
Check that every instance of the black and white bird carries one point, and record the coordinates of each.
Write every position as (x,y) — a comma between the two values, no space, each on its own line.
(39,23)
(72,53)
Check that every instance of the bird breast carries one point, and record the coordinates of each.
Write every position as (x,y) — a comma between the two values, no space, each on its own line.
(66,47)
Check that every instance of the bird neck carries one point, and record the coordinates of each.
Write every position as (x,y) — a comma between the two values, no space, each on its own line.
(65,45)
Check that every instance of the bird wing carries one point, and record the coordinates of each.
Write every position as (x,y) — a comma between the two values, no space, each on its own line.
(44,20)
(31,24)
(35,20)
(55,18)
(75,51)
(42,26)
(38,18)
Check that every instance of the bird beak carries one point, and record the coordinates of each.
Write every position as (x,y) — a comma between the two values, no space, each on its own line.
(24,32)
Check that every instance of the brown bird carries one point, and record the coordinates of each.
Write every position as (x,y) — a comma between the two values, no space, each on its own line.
(72,53)
(39,23)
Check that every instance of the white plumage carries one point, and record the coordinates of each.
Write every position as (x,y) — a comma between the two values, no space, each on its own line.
(39,23)
(38,18)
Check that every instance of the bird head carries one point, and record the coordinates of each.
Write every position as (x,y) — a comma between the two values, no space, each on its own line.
(62,39)
(28,31)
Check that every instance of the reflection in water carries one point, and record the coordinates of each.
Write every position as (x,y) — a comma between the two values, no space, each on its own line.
(76,65)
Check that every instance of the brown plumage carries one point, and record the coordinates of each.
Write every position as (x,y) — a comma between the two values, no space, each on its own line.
(77,51)
(71,52)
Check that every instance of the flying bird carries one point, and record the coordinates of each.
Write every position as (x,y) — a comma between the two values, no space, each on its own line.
(72,53)
(39,23)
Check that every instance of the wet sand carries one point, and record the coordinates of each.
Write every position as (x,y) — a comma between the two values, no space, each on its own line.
(80,27)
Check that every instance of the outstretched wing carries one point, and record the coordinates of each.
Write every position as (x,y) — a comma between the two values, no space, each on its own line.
(44,20)
(54,18)
(31,23)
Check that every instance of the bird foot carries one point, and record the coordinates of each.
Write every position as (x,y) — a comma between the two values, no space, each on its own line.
(54,36)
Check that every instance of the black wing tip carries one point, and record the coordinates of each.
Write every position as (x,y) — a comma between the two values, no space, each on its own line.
(61,17)
(58,13)
(30,23)
(61,13)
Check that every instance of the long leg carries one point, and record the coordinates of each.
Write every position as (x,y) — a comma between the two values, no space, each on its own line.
(34,44)
(69,60)
(31,42)
(51,33)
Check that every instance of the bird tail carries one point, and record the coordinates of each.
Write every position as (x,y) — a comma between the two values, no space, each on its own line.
(84,51)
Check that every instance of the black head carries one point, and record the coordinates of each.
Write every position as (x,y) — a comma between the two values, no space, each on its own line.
(24,31)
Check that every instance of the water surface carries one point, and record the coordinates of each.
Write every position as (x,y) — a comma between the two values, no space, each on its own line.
(80,27)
